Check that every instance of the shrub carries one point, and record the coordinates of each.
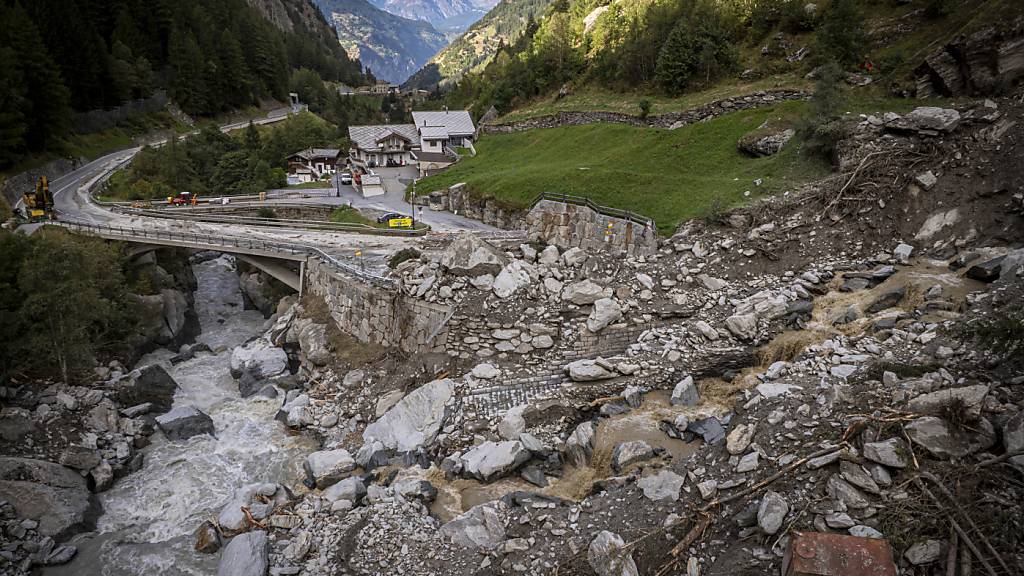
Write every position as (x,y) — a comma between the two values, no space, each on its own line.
(841,37)
(645,108)
(1003,333)
(403,255)
(822,128)
(266,212)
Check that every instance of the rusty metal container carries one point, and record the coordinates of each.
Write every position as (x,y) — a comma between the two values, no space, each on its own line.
(821,554)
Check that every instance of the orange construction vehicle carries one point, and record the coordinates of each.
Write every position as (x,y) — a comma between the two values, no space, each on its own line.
(182,199)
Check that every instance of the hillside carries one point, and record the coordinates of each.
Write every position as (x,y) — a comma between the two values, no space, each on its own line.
(448,16)
(503,25)
(391,46)
(60,59)
(654,50)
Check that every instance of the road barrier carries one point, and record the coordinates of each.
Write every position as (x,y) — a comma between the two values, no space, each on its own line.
(587,202)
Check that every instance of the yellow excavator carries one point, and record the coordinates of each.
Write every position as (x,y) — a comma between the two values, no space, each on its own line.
(39,204)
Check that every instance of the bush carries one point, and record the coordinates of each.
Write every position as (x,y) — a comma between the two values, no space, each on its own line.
(266,212)
(1003,333)
(822,128)
(645,108)
(401,256)
(699,47)
(841,37)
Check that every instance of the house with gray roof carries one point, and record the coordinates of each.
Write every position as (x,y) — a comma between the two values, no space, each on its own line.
(313,164)
(382,144)
(430,141)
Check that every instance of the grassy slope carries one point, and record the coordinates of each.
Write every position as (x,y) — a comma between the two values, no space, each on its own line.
(667,175)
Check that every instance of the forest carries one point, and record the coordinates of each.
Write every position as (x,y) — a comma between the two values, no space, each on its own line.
(61,57)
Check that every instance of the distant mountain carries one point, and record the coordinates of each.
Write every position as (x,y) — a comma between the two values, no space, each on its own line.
(391,46)
(502,25)
(449,16)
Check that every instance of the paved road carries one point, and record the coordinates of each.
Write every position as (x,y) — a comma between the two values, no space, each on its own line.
(395,183)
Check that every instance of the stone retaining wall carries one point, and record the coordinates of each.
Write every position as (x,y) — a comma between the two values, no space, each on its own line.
(671,120)
(376,315)
(568,226)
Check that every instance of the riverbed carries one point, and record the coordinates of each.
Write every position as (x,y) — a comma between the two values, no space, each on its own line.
(150,515)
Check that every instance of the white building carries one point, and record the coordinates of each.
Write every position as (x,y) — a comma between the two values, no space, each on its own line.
(431,141)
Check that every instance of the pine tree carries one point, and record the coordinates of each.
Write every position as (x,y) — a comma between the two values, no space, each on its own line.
(13,124)
(841,37)
(251,140)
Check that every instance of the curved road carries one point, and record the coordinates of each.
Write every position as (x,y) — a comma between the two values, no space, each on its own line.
(72,202)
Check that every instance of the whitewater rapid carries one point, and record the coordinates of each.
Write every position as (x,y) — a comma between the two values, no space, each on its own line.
(150,515)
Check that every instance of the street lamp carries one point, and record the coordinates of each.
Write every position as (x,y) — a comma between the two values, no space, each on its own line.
(412,202)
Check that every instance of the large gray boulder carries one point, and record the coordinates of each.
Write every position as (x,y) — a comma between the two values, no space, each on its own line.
(772,512)
(608,557)
(232,520)
(184,422)
(969,398)
(944,441)
(631,452)
(664,485)
(313,343)
(259,358)
(585,292)
(588,371)
(327,467)
(685,393)
(54,496)
(149,384)
(742,326)
(415,420)
(606,311)
(352,489)
(468,255)
(245,555)
(516,275)
(580,445)
(492,460)
(927,118)
(480,527)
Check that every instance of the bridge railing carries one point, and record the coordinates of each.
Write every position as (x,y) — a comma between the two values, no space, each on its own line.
(226,241)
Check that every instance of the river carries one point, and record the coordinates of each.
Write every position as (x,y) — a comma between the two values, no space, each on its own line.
(150,515)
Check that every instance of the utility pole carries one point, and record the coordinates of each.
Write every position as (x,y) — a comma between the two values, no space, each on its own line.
(412,202)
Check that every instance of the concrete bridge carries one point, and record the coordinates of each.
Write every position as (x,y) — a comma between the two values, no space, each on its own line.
(276,258)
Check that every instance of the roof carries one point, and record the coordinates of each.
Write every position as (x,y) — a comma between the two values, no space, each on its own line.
(391,133)
(367,137)
(434,132)
(432,157)
(311,153)
(455,121)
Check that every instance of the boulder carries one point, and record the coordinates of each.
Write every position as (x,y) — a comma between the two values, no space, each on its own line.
(207,538)
(485,371)
(468,255)
(742,326)
(232,520)
(969,399)
(580,445)
(1013,439)
(588,371)
(50,494)
(772,512)
(944,441)
(512,423)
(664,485)
(574,256)
(631,452)
(245,555)
(892,452)
(606,311)
(352,489)
(415,420)
(685,393)
(512,277)
(149,384)
(607,556)
(480,527)
(313,343)
(327,467)
(585,292)
(259,358)
(415,488)
(888,299)
(79,457)
(987,271)
(760,145)
(739,439)
(710,429)
(924,552)
(492,460)
(927,119)
(184,422)
(549,255)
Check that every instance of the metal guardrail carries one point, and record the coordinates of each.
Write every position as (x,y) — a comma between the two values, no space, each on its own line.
(587,202)
(225,241)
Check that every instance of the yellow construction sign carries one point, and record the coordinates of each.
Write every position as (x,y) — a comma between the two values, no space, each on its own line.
(400,223)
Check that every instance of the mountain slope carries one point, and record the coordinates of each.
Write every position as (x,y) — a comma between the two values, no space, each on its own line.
(391,46)
(503,25)
(449,16)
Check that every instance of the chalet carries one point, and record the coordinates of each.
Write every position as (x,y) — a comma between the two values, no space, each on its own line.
(381,88)
(313,164)
(431,141)
(382,144)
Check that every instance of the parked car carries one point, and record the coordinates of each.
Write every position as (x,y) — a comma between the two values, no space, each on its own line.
(346,178)
(385,217)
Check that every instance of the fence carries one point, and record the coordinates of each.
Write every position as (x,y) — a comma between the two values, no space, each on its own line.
(588,203)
